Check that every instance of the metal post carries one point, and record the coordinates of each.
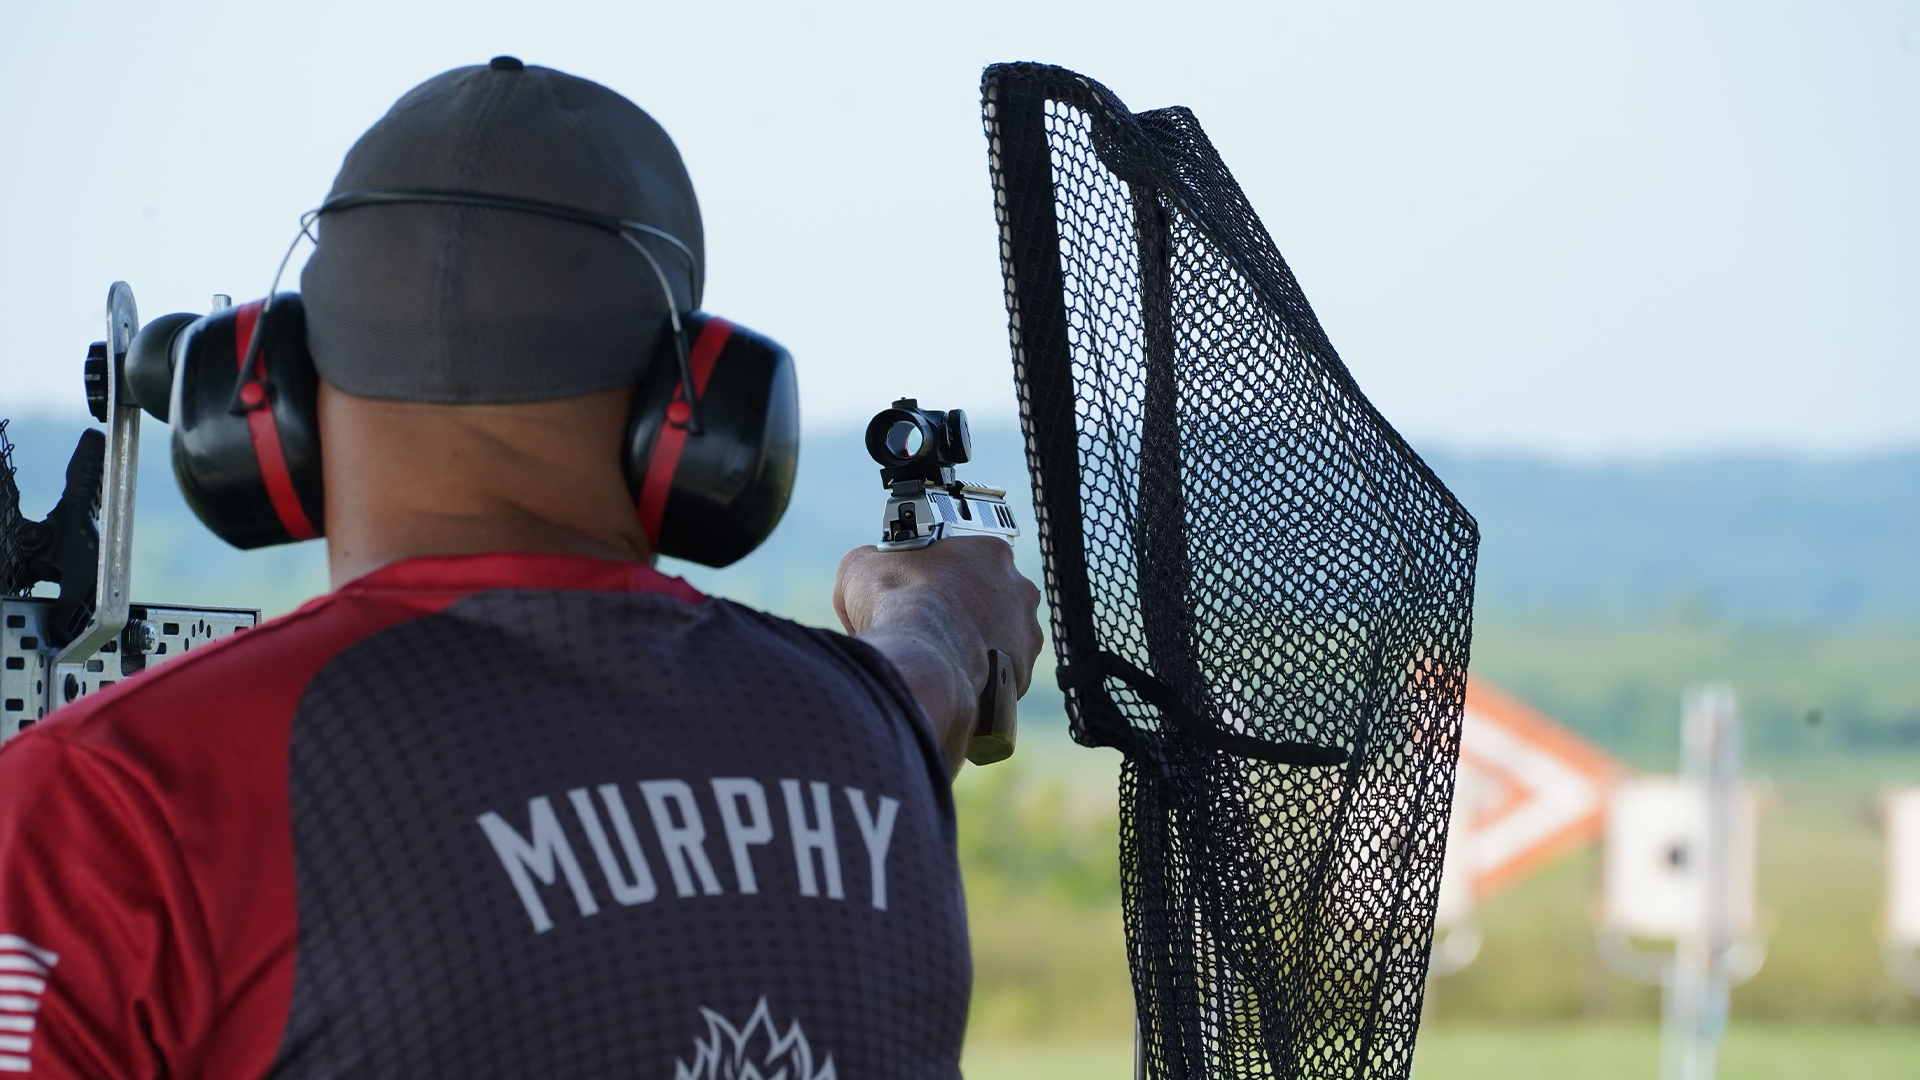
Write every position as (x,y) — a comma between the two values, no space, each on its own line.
(1139,1051)
(1695,1010)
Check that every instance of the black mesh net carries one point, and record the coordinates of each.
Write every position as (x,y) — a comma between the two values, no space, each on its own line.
(1259,593)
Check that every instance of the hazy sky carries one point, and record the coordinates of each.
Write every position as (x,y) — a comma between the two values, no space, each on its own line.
(1612,229)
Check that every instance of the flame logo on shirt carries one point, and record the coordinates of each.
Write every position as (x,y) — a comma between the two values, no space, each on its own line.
(754,1050)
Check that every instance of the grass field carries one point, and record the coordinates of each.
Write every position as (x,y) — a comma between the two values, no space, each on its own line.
(1531,1052)
(1037,842)
(1821,883)
(1597,1052)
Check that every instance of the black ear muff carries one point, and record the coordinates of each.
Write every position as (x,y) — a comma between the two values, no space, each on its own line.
(713,496)
(247,451)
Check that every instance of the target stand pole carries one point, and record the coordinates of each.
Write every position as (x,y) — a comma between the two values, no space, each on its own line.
(1695,1011)
(1900,942)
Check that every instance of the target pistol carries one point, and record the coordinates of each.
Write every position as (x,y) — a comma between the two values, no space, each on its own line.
(917,450)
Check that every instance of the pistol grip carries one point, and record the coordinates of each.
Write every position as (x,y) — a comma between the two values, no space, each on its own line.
(995,728)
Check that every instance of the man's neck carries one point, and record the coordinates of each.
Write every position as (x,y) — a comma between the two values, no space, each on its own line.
(405,480)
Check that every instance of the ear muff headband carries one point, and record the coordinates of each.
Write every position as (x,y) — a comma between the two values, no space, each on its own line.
(350,200)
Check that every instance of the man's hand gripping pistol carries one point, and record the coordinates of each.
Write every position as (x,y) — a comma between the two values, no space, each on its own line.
(917,450)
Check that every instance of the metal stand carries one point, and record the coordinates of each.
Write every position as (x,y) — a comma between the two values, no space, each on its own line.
(1711,952)
(1139,1051)
(1694,1014)
(117,480)
(122,638)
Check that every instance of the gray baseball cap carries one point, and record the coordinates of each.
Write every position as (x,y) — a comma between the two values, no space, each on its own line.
(470,305)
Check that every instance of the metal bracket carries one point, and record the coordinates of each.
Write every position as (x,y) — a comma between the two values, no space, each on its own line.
(111,596)
(32,685)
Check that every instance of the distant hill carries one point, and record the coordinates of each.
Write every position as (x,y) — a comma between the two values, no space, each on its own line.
(1737,539)
(1740,540)
(1745,541)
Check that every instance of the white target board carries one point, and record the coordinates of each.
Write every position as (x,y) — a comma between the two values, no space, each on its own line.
(1903,866)
(1655,865)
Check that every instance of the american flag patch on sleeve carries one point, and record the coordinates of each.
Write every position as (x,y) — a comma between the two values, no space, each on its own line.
(24,968)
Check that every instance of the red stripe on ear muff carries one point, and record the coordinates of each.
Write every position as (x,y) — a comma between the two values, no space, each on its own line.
(673,437)
(265,433)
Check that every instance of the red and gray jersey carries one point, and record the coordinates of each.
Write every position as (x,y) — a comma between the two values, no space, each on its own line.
(508,815)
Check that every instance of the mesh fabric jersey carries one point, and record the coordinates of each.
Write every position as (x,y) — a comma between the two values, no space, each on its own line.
(1259,593)
(487,816)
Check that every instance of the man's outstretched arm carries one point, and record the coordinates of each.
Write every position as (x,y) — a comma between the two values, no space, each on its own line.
(935,613)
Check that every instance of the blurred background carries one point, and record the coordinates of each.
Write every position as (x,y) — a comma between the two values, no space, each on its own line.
(1638,281)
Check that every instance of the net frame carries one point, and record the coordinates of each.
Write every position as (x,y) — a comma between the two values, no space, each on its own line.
(1258,593)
